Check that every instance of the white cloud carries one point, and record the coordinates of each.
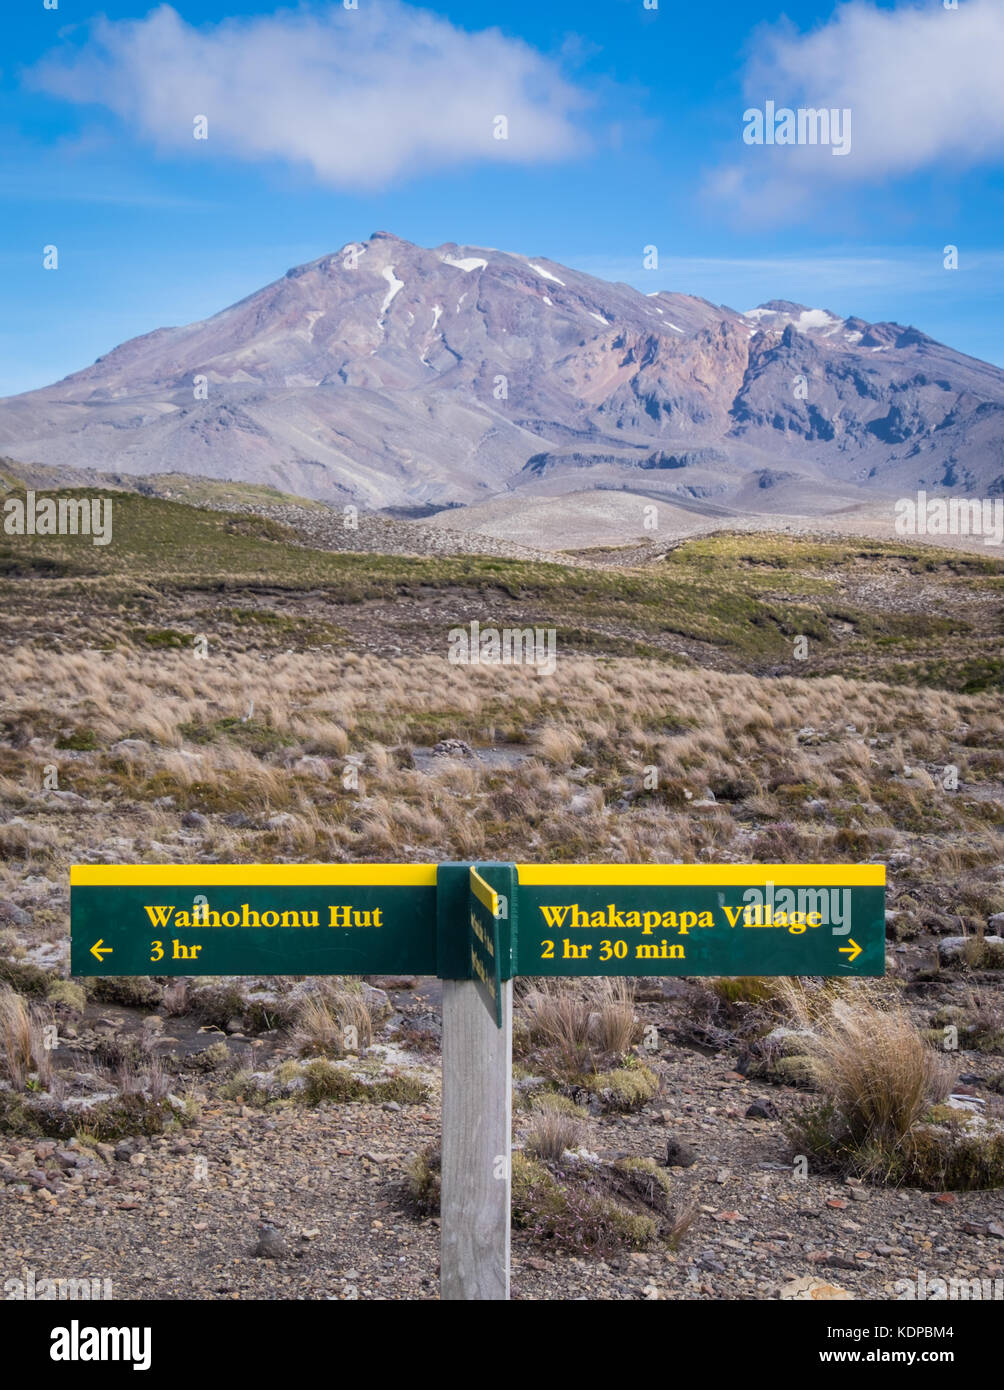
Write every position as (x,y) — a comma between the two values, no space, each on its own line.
(358,96)
(923,85)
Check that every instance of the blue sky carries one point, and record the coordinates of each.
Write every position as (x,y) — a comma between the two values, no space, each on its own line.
(625,131)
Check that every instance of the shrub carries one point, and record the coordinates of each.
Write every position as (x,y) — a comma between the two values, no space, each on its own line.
(875,1068)
(424,1180)
(626,1088)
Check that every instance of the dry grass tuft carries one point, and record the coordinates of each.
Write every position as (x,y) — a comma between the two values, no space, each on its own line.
(553,1129)
(23,1053)
(873,1066)
(333,1022)
(559,1015)
(615,1024)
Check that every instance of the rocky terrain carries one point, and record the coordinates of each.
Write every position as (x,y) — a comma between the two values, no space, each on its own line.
(333,1183)
(682,1139)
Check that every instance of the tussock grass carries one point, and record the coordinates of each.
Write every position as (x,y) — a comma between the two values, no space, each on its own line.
(553,1129)
(333,1022)
(878,1077)
(24,1058)
(872,1064)
(558,1015)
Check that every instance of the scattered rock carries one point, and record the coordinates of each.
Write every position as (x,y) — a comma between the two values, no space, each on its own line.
(680,1155)
(453,748)
(953,949)
(807,1288)
(271,1245)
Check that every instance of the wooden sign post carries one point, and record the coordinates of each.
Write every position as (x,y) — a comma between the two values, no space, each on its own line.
(476,926)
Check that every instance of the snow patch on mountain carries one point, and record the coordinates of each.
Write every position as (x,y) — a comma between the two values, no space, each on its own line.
(396,286)
(546,274)
(468,263)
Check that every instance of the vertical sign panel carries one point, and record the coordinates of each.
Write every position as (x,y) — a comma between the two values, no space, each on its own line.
(484,911)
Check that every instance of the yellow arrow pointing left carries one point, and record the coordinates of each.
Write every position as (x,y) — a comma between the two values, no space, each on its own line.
(99,949)
(852,951)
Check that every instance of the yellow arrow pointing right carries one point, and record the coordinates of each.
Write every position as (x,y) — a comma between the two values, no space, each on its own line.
(99,949)
(852,951)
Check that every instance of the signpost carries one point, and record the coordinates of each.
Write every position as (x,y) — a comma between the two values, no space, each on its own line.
(477,926)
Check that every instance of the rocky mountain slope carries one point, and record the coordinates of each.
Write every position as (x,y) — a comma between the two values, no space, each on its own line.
(395,376)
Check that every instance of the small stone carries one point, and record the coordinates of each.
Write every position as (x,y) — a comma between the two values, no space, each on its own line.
(679,1154)
(807,1288)
(943,1199)
(762,1110)
(271,1245)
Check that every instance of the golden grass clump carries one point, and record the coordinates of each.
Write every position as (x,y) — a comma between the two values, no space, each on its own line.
(876,1069)
(334,1021)
(23,1051)
(554,1128)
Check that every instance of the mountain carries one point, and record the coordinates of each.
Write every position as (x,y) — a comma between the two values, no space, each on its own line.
(395,376)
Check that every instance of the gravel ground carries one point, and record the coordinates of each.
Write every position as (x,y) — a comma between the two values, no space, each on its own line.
(179,1216)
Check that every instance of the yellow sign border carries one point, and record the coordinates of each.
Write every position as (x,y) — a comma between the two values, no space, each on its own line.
(484,893)
(424,875)
(714,875)
(247,875)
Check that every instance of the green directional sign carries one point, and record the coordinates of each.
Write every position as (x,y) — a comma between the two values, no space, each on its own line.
(714,919)
(486,922)
(251,919)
